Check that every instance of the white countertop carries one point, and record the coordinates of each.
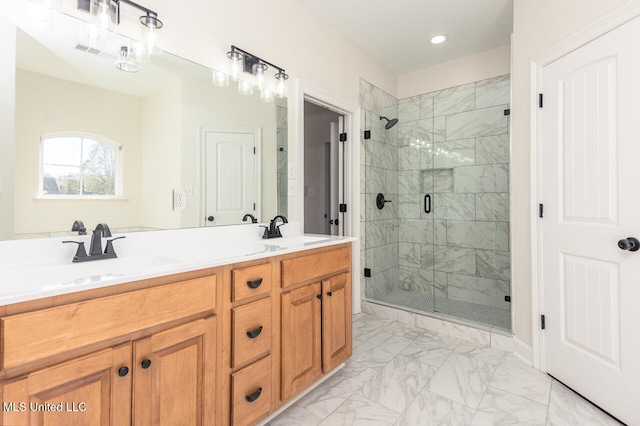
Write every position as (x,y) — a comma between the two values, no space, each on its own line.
(33,269)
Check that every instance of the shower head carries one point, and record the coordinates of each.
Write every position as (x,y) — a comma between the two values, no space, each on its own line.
(390,123)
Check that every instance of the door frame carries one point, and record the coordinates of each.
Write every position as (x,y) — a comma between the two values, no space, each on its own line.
(351,112)
(596,29)
(257,137)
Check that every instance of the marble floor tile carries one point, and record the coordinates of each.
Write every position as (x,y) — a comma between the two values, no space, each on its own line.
(480,352)
(295,416)
(360,411)
(401,375)
(404,330)
(377,351)
(367,326)
(429,409)
(462,379)
(568,408)
(398,383)
(503,408)
(431,348)
(520,379)
(323,400)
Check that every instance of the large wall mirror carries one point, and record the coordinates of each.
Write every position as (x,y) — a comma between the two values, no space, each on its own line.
(161,148)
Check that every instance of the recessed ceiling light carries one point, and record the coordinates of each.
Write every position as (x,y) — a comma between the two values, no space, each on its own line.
(438,39)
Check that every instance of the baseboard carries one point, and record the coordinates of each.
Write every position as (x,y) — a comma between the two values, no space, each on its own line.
(522,351)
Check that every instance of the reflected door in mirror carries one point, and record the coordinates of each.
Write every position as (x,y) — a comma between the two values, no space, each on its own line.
(232,178)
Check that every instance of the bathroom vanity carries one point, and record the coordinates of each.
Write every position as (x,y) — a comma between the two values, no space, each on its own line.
(206,333)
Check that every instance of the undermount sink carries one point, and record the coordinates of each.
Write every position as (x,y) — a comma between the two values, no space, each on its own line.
(314,239)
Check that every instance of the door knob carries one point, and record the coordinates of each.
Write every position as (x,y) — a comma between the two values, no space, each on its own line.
(210,218)
(630,243)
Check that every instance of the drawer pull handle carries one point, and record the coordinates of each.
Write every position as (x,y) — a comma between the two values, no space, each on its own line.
(254,284)
(253,396)
(255,333)
(123,371)
(146,363)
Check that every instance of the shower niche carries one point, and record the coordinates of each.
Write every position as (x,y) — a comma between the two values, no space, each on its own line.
(443,247)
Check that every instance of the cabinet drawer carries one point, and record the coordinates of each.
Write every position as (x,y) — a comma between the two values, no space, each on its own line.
(251,281)
(312,266)
(251,331)
(251,390)
(40,334)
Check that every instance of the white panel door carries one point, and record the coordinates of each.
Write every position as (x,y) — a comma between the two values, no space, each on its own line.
(231,181)
(590,150)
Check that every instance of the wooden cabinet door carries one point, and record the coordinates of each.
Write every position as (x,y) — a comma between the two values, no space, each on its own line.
(84,391)
(174,376)
(301,334)
(336,321)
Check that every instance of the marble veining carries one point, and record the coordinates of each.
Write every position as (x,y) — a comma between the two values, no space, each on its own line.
(437,380)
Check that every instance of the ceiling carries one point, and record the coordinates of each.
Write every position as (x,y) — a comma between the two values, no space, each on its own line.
(397,32)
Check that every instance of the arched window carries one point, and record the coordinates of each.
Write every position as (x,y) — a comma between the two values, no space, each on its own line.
(76,165)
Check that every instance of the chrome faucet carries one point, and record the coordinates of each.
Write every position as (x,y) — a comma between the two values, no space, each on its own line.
(273,231)
(95,249)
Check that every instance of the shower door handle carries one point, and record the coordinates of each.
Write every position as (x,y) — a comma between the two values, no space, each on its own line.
(427,203)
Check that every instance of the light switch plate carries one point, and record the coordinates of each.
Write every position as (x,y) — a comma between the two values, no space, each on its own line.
(179,199)
(290,170)
(291,188)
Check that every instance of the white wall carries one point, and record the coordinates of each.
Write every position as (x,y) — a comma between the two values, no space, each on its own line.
(538,25)
(481,66)
(161,157)
(7,126)
(50,105)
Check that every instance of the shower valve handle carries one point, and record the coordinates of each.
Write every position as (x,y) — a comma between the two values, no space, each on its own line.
(380,201)
(427,203)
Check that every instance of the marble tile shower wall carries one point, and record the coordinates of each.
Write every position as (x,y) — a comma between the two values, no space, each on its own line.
(454,145)
(379,173)
(281,134)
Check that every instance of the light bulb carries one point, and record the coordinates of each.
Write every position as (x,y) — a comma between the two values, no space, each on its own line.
(103,16)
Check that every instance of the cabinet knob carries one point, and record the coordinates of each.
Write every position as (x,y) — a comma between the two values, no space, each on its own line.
(329,293)
(146,363)
(123,371)
(253,396)
(254,284)
(319,296)
(255,333)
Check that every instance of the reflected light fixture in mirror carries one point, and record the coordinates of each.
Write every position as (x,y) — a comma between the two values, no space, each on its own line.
(266,95)
(220,79)
(245,88)
(125,60)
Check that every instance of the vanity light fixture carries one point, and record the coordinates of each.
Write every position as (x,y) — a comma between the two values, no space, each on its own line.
(107,12)
(254,65)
